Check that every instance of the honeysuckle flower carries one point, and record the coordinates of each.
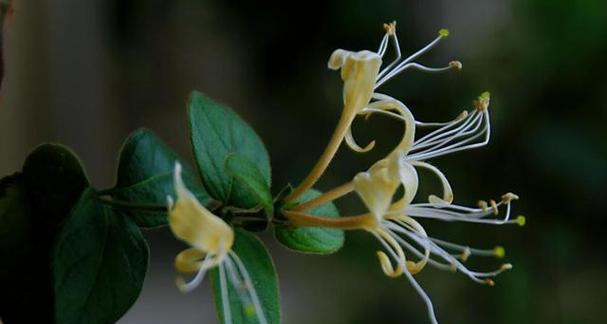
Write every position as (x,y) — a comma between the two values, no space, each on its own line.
(407,246)
(396,227)
(211,240)
(362,74)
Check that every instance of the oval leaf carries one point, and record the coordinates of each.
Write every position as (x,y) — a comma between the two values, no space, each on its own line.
(100,261)
(54,180)
(145,176)
(250,180)
(260,267)
(217,132)
(312,239)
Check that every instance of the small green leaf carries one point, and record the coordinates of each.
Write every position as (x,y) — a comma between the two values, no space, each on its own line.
(247,177)
(145,176)
(260,267)
(216,133)
(54,180)
(312,239)
(100,261)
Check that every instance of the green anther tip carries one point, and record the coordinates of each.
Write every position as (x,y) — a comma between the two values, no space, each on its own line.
(485,95)
(521,220)
(443,32)
(250,310)
(499,251)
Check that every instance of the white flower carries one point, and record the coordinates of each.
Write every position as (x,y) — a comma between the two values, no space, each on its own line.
(211,240)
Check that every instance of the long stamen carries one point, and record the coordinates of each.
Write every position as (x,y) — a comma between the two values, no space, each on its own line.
(446,131)
(225,301)
(186,287)
(458,146)
(498,251)
(478,277)
(442,34)
(420,291)
(391,31)
(252,291)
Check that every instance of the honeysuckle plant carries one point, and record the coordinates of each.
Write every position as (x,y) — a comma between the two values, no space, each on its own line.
(82,252)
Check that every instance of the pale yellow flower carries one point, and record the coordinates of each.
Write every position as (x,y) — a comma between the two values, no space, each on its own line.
(211,241)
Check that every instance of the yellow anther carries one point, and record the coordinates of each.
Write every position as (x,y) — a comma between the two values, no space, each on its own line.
(482,205)
(249,310)
(455,65)
(390,28)
(494,206)
(499,251)
(508,197)
(506,266)
(482,103)
(490,282)
(462,115)
(521,220)
(443,32)
(466,254)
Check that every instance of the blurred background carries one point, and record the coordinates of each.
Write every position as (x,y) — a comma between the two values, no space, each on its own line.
(88,72)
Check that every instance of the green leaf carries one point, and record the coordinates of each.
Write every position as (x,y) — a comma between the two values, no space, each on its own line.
(216,133)
(312,239)
(54,180)
(15,224)
(23,274)
(145,176)
(260,267)
(100,260)
(247,177)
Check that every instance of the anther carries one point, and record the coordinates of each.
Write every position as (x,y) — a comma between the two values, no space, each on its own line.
(482,102)
(508,197)
(482,205)
(465,254)
(490,282)
(521,220)
(499,251)
(456,65)
(443,32)
(390,28)
(494,207)
(506,266)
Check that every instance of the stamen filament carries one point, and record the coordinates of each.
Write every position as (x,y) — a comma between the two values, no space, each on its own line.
(420,291)
(225,301)
(251,288)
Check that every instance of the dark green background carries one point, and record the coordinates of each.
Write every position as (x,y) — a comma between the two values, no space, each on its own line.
(88,72)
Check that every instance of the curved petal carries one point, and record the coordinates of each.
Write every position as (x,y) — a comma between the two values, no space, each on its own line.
(189,260)
(354,146)
(194,224)
(447,191)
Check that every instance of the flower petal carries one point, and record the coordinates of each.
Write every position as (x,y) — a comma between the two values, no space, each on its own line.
(196,225)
